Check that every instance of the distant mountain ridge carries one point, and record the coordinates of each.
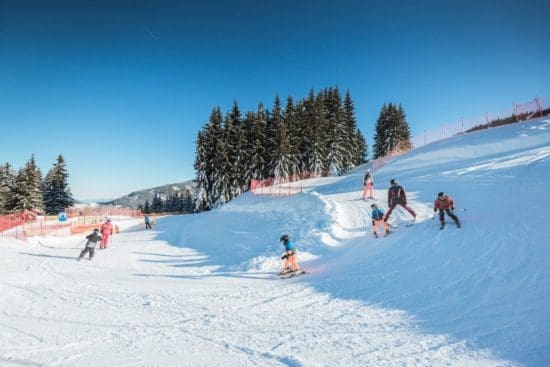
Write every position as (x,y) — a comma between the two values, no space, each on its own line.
(136,198)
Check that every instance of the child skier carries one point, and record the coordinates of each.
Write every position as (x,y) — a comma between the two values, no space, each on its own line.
(397,196)
(445,204)
(93,239)
(148,222)
(106,232)
(377,216)
(368,185)
(290,256)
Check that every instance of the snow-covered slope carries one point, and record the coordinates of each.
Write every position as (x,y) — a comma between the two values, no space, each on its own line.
(199,289)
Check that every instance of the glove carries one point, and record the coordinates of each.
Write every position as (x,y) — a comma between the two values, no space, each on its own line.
(452,209)
(284,257)
(372,222)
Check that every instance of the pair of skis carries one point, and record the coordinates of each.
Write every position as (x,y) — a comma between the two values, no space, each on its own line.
(291,274)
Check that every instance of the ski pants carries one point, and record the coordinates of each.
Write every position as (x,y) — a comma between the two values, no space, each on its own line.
(104,240)
(91,250)
(292,260)
(368,188)
(413,213)
(449,213)
(377,223)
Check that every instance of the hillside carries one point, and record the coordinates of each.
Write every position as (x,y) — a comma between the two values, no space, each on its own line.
(133,199)
(200,289)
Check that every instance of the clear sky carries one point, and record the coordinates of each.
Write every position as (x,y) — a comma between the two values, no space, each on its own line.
(121,88)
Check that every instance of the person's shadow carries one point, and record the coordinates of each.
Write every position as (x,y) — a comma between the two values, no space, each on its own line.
(52,256)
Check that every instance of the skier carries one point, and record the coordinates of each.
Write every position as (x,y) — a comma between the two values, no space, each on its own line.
(445,204)
(290,257)
(377,216)
(106,232)
(397,196)
(148,222)
(93,239)
(368,185)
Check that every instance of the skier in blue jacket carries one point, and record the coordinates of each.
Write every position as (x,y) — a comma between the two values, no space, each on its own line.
(377,216)
(290,256)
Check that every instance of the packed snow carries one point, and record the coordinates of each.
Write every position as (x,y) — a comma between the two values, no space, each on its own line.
(202,290)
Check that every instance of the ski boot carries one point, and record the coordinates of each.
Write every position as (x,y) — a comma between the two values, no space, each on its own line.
(375,235)
(442,225)
(387,233)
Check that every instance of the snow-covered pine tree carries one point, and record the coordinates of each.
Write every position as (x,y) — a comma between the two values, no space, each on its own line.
(7,182)
(355,146)
(281,146)
(392,132)
(318,162)
(187,203)
(27,192)
(236,146)
(202,186)
(293,133)
(337,145)
(146,207)
(362,148)
(257,144)
(55,190)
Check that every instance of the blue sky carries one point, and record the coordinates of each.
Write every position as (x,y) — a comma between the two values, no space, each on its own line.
(121,88)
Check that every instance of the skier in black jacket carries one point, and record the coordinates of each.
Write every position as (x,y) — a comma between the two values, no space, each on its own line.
(93,239)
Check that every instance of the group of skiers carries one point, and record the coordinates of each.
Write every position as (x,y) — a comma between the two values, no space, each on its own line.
(396,196)
(95,237)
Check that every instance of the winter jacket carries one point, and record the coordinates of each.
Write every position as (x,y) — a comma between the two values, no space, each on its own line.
(396,195)
(289,245)
(106,229)
(377,214)
(368,179)
(93,239)
(444,204)
(147,219)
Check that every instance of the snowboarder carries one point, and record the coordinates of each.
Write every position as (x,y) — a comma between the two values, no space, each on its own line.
(445,204)
(290,256)
(368,185)
(106,232)
(377,216)
(148,222)
(397,196)
(93,239)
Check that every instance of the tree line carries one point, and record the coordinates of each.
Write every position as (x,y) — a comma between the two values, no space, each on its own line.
(317,135)
(175,203)
(27,190)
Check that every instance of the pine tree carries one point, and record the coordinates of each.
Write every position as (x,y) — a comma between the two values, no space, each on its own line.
(257,144)
(7,182)
(338,159)
(202,183)
(362,149)
(146,207)
(356,145)
(56,193)
(27,193)
(281,146)
(293,130)
(392,132)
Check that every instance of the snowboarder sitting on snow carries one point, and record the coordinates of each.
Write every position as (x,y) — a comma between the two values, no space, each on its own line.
(377,216)
(368,185)
(445,204)
(290,256)
(148,222)
(93,239)
(397,196)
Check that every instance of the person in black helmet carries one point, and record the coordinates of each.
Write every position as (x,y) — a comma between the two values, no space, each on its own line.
(290,256)
(93,239)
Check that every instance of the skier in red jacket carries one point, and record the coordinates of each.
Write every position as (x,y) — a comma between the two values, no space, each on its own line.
(106,232)
(445,204)
(397,196)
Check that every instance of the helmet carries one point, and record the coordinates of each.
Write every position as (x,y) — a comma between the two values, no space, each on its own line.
(393,181)
(441,194)
(108,219)
(96,230)
(284,237)
(373,206)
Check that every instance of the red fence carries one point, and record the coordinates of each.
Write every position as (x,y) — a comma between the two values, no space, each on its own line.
(283,186)
(27,223)
(520,112)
